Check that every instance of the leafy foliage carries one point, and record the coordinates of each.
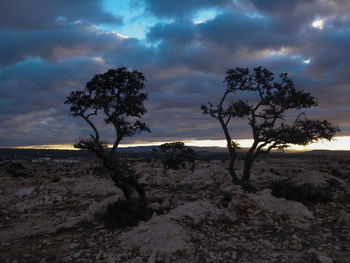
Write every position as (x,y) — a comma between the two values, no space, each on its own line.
(117,95)
(266,114)
(175,155)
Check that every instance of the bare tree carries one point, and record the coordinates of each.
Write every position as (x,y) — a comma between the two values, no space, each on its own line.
(117,95)
(266,115)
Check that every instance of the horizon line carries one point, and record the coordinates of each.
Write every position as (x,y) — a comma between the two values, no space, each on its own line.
(341,143)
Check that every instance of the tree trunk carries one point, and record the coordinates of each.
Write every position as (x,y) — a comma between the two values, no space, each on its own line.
(137,186)
(235,179)
(247,167)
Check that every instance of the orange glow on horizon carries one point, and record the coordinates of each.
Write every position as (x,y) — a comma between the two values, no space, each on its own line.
(338,143)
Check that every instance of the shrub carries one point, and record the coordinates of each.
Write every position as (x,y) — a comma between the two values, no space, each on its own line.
(16,170)
(335,172)
(175,155)
(124,213)
(304,193)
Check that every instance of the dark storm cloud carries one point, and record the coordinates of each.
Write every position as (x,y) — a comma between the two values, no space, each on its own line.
(233,30)
(43,59)
(179,33)
(181,8)
(43,14)
(69,41)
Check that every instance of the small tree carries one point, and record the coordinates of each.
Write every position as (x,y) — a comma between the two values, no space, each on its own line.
(265,114)
(175,155)
(116,94)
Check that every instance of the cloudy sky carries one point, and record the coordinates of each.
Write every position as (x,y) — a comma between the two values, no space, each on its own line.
(184,47)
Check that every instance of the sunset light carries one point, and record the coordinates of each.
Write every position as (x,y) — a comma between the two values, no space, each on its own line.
(175,131)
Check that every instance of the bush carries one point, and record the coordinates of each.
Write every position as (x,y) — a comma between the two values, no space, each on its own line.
(16,170)
(175,155)
(304,193)
(123,213)
(335,172)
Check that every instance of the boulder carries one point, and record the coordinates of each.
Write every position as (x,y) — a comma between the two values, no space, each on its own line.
(204,175)
(298,213)
(98,188)
(24,192)
(317,179)
(262,180)
(89,215)
(201,210)
(158,235)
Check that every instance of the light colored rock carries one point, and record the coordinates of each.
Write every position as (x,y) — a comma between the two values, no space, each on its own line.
(324,259)
(260,180)
(203,175)
(317,179)
(76,254)
(165,204)
(344,218)
(201,210)
(25,191)
(144,178)
(98,187)
(297,212)
(152,257)
(154,206)
(89,215)
(162,180)
(156,235)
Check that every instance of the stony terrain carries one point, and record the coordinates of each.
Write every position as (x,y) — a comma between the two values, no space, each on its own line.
(48,214)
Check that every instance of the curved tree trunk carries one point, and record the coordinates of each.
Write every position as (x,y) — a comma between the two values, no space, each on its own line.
(121,175)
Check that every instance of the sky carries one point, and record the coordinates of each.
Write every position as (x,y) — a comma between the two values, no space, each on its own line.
(183,47)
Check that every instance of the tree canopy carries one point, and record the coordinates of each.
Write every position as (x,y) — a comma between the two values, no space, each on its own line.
(175,155)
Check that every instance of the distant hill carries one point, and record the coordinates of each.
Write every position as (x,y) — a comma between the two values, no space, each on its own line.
(146,152)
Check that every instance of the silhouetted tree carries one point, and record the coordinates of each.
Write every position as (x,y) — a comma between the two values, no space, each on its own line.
(117,95)
(175,154)
(265,114)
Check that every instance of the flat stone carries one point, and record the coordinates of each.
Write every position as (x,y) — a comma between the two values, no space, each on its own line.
(324,259)
(25,191)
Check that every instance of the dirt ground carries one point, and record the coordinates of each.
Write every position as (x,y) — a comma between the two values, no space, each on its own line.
(48,214)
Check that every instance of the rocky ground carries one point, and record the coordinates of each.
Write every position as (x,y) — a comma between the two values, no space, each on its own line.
(48,214)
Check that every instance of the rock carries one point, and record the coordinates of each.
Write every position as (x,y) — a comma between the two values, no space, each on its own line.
(227,254)
(89,215)
(296,245)
(144,178)
(154,206)
(25,191)
(67,259)
(201,210)
(152,257)
(165,204)
(76,254)
(317,179)
(162,180)
(200,175)
(157,235)
(323,259)
(262,180)
(297,212)
(98,188)
(344,218)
